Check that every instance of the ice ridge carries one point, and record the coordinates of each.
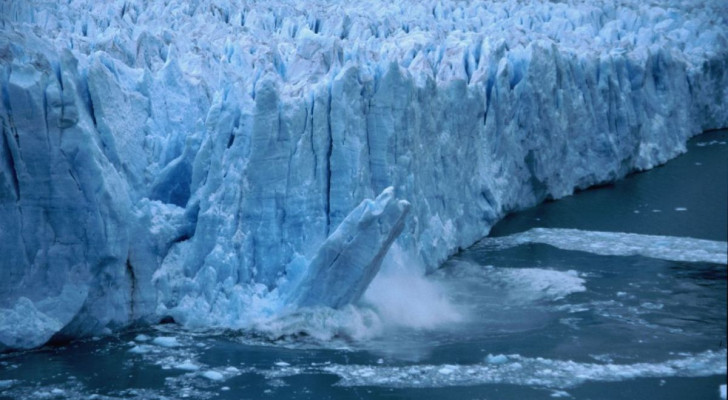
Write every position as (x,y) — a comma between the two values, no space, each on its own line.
(198,160)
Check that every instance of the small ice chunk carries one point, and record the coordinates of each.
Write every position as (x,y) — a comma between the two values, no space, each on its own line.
(656,211)
(680,209)
(141,349)
(232,370)
(380,361)
(447,370)
(213,375)
(166,341)
(225,388)
(723,392)
(142,338)
(187,365)
(560,393)
(282,364)
(652,306)
(58,392)
(496,359)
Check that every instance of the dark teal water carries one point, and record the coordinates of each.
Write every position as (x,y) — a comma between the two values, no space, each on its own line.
(536,322)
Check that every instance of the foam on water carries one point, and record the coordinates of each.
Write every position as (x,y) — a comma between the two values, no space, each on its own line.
(514,285)
(617,244)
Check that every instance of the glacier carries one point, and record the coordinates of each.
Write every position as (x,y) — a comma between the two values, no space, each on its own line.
(219,162)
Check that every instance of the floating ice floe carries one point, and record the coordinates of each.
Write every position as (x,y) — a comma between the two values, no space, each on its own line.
(618,244)
(166,341)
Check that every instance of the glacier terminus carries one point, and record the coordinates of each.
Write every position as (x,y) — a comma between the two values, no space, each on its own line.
(220,162)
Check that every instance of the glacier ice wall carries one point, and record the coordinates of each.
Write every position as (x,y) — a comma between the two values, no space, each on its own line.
(210,160)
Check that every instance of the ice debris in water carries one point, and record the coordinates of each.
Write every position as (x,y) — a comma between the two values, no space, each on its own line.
(617,244)
(446,370)
(141,349)
(187,365)
(212,161)
(520,370)
(166,341)
(213,375)
(142,338)
(6,383)
(496,359)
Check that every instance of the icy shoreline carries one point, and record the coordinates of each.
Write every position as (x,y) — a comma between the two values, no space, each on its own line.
(190,161)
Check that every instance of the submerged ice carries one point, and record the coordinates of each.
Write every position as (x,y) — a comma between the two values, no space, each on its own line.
(222,162)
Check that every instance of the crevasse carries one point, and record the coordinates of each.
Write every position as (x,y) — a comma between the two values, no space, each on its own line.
(212,161)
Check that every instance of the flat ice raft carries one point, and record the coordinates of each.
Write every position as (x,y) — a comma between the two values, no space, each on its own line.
(205,160)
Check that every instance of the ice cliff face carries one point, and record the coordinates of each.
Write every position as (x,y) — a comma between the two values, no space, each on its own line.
(212,160)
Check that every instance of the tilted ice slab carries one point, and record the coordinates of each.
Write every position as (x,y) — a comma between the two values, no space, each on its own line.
(350,258)
(191,160)
(617,244)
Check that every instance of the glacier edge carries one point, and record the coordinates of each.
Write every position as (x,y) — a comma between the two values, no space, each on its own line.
(145,173)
